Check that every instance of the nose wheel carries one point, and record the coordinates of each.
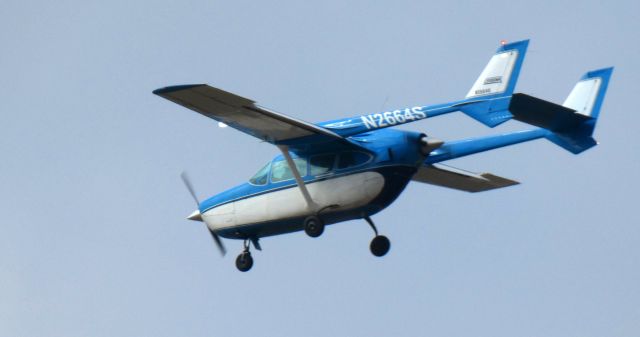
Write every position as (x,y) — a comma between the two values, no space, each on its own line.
(380,244)
(244,261)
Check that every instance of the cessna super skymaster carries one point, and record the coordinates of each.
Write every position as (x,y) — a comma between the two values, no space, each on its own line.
(355,167)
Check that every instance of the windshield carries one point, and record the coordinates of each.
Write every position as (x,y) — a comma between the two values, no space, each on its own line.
(260,178)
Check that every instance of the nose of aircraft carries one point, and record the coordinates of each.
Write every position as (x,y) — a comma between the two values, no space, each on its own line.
(195,216)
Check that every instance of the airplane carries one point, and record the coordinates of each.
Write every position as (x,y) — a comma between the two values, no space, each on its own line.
(355,167)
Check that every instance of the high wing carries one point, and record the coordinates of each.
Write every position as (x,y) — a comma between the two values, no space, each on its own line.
(459,179)
(245,115)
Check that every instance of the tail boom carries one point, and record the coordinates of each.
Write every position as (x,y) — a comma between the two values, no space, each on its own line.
(465,147)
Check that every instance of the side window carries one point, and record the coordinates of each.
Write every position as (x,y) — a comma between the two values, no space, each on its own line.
(260,178)
(280,169)
(352,158)
(321,164)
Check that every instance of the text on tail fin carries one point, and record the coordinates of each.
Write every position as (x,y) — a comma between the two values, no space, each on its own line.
(501,73)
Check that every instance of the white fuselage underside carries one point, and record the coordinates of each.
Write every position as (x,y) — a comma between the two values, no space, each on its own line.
(347,192)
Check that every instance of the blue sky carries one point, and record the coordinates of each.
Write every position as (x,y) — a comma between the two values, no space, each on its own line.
(94,240)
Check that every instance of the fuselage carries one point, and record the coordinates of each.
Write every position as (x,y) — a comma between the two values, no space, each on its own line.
(345,184)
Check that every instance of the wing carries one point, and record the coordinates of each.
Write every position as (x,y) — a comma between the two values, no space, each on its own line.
(243,114)
(459,179)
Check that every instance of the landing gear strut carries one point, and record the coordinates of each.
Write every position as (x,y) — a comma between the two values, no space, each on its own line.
(244,261)
(380,244)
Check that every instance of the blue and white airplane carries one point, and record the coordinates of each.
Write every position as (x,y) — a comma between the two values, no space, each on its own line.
(355,167)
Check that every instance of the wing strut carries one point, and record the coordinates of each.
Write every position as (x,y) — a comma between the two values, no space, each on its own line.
(303,188)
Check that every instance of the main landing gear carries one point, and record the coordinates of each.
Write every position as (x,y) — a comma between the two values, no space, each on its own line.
(313,226)
(380,244)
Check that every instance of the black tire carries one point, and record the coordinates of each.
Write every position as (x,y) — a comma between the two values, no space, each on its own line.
(244,262)
(313,226)
(380,245)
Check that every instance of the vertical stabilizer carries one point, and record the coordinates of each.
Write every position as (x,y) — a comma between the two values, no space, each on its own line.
(587,95)
(488,99)
(500,75)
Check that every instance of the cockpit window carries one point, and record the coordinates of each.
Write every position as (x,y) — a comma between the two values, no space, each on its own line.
(352,158)
(321,164)
(280,169)
(260,178)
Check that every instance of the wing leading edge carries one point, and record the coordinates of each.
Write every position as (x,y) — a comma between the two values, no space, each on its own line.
(244,115)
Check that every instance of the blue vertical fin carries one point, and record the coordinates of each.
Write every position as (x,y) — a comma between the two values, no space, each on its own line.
(488,99)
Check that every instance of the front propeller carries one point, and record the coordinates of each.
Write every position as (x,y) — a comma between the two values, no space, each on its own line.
(197,216)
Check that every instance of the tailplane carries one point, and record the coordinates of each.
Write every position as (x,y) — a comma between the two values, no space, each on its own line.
(572,123)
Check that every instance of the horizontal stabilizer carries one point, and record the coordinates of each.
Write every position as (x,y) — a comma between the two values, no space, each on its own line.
(544,114)
(572,123)
(459,179)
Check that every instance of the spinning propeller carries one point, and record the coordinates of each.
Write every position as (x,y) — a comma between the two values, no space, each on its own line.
(195,216)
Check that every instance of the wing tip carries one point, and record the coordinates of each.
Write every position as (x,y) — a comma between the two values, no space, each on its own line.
(173,88)
(499,182)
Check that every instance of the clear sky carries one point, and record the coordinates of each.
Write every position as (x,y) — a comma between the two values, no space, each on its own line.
(94,240)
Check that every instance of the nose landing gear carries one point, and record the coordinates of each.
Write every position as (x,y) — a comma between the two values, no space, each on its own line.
(380,244)
(244,261)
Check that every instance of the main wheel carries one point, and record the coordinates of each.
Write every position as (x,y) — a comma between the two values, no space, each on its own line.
(313,226)
(380,245)
(244,261)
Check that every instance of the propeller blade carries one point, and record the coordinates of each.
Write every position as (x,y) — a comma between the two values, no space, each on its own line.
(218,242)
(216,238)
(187,182)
